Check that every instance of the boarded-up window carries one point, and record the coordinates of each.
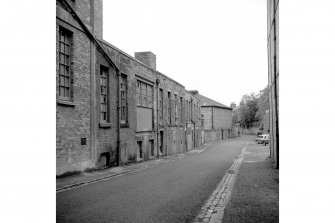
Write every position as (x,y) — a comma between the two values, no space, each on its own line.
(65,77)
(144,119)
(124,107)
(104,96)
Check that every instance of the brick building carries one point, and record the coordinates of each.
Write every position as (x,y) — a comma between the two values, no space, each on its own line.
(113,108)
(273,76)
(217,119)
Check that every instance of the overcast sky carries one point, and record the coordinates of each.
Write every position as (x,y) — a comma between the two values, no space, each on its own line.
(217,47)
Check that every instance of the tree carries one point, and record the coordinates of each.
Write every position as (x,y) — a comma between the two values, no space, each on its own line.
(263,103)
(252,109)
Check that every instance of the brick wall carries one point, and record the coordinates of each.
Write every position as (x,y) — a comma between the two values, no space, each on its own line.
(174,133)
(106,142)
(73,122)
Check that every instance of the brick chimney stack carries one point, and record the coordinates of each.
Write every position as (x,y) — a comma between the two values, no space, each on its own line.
(96,12)
(233,105)
(148,58)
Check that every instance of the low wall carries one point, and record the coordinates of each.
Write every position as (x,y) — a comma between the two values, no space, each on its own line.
(215,135)
(250,131)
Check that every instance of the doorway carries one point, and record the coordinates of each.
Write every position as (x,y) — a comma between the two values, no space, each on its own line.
(161,140)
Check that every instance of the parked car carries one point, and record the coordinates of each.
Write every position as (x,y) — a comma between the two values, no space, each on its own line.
(259,133)
(259,138)
(266,139)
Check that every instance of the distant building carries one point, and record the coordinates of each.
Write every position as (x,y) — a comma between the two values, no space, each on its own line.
(216,117)
(273,76)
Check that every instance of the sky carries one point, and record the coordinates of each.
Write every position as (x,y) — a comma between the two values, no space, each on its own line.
(217,47)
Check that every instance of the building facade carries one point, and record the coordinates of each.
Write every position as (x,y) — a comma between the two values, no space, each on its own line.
(273,76)
(113,108)
(217,119)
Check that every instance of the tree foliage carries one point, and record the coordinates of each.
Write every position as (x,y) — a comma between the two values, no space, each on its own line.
(252,109)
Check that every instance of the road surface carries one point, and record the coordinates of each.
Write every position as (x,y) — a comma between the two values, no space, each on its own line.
(171,192)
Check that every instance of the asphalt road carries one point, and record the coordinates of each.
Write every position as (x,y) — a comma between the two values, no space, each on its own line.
(171,192)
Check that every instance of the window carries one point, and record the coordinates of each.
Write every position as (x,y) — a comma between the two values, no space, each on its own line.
(124,108)
(138,92)
(144,94)
(181,111)
(190,110)
(65,77)
(175,109)
(149,95)
(104,94)
(169,107)
(161,104)
(186,116)
(145,105)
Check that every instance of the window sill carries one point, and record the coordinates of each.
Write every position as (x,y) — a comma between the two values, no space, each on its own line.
(66,103)
(105,125)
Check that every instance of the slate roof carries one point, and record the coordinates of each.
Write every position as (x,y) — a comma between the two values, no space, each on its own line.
(207,102)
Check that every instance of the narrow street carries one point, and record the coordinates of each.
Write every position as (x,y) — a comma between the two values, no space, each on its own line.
(171,192)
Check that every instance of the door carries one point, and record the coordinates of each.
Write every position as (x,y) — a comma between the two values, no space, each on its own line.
(161,142)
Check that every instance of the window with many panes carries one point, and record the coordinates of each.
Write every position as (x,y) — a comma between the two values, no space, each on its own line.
(186,106)
(181,111)
(169,107)
(175,109)
(123,91)
(104,94)
(65,77)
(160,104)
(144,94)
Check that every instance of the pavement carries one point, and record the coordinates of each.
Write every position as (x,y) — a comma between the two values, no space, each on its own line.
(84,178)
(255,197)
(248,192)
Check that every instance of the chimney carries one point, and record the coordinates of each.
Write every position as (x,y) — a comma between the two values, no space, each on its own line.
(97,15)
(194,92)
(147,58)
(233,105)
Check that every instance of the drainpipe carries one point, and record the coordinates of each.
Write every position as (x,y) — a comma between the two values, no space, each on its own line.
(118,152)
(275,86)
(157,114)
(93,117)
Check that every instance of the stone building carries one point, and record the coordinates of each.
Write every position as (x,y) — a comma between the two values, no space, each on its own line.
(216,117)
(273,76)
(113,108)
